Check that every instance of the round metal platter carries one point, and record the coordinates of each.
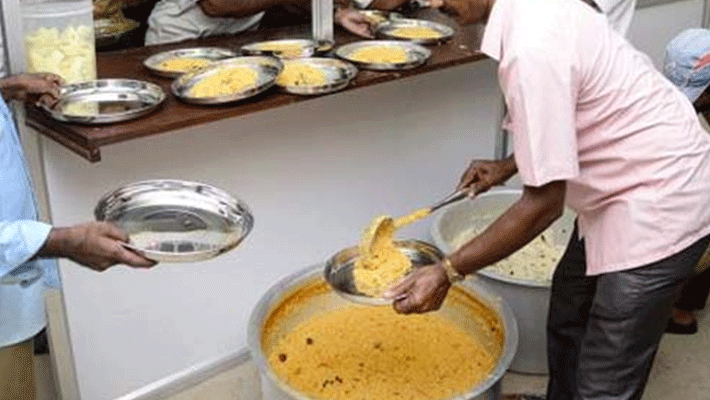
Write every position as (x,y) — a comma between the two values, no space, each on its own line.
(153,62)
(339,269)
(376,17)
(388,29)
(267,69)
(106,101)
(416,54)
(109,31)
(338,75)
(176,221)
(301,48)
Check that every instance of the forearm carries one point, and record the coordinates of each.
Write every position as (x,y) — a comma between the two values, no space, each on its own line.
(387,5)
(243,8)
(10,87)
(536,210)
(56,244)
(509,166)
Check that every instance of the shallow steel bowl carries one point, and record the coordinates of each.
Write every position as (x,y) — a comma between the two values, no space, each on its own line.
(339,268)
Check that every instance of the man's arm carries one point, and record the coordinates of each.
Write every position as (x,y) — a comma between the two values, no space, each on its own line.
(242,8)
(31,87)
(425,288)
(387,5)
(534,212)
(97,245)
(482,175)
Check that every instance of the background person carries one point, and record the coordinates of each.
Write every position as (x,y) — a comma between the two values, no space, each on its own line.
(687,65)
(177,20)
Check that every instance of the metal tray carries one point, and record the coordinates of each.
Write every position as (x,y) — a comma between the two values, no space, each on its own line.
(267,69)
(379,16)
(152,63)
(338,75)
(306,48)
(106,101)
(110,31)
(386,30)
(176,221)
(417,55)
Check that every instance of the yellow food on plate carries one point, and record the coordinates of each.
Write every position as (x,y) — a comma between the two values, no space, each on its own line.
(226,81)
(380,55)
(416,32)
(81,109)
(183,64)
(381,263)
(300,74)
(374,353)
(282,49)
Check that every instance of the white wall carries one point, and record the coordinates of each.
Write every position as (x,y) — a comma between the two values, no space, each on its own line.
(653,27)
(314,174)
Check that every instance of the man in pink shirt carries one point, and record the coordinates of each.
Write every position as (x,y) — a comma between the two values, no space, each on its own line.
(597,128)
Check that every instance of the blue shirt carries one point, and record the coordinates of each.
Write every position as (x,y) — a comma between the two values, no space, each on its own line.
(21,237)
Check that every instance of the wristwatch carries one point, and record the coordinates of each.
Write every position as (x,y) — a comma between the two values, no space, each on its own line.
(451,272)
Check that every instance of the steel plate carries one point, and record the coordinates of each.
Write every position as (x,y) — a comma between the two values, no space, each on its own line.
(267,69)
(152,63)
(387,30)
(376,17)
(302,48)
(416,54)
(339,268)
(176,221)
(338,75)
(106,101)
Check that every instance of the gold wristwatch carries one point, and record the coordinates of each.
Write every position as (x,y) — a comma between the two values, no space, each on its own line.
(451,272)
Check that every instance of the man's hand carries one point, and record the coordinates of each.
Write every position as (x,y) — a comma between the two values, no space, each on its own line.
(354,21)
(421,291)
(31,88)
(96,245)
(482,175)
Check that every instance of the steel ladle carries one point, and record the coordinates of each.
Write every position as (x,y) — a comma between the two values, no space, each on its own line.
(338,270)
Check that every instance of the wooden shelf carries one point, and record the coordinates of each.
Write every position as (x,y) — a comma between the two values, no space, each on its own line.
(87,141)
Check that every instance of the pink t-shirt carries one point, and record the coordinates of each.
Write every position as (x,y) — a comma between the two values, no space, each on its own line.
(584,106)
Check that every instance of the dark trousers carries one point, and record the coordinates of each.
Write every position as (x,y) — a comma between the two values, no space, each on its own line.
(603,331)
(695,292)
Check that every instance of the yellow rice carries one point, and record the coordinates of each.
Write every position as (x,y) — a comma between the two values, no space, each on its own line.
(186,64)
(380,55)
(227,81)
(416,32)
(373,353)
(299,74)
(381,263)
